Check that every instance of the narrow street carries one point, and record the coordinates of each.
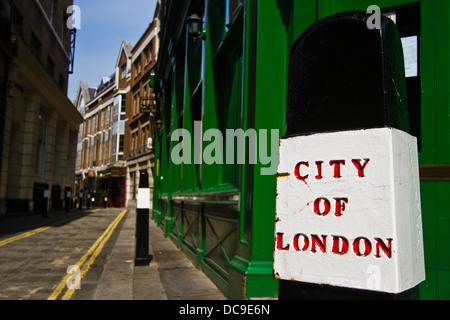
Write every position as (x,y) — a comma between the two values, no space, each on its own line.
(89,255)
(34,261)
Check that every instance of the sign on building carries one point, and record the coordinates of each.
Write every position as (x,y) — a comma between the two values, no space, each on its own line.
(348,210)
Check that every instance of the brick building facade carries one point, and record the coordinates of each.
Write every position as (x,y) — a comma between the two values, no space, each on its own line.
(101,166)
(140,115)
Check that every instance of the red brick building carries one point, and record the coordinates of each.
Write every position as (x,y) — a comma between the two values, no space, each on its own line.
(101,165)
(140,115)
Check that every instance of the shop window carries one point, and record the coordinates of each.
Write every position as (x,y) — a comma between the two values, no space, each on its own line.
(225,31)
(228,107)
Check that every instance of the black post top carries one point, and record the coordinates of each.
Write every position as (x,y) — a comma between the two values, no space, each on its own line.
(143,179)
(345,76)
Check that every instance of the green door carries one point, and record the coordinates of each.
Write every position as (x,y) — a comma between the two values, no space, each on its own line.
(424,27)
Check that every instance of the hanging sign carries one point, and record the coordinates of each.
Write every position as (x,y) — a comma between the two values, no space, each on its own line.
(348,210)
(148,105)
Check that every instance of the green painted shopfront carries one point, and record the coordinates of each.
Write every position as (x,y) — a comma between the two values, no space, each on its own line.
(232,73)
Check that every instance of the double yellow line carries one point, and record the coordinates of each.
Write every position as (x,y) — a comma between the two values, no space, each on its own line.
(38,230)
(23,235)
(89,258)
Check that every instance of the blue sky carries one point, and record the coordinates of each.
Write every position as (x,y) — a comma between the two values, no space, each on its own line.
(104,25)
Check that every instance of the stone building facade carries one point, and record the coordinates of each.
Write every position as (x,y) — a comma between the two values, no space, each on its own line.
(40,122)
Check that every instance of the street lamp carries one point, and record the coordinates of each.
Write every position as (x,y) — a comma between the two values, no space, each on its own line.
(195,27)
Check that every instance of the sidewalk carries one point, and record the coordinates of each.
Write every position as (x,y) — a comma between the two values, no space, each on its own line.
(170,275)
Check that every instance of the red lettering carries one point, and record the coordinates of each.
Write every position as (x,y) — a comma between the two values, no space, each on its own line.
(362,247)
(337,167)
(305,242)
(387,249)
(340,206)
(367,247)
(320,243)
(359,167)
(319,170)
(280,242)
(326,207)
(337,249)
(297,171)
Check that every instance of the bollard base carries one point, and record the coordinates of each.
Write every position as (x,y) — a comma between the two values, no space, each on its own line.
(291,290)
(141,262)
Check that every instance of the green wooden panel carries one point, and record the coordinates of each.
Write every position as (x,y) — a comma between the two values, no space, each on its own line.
(192,111)
(223,95)
(428,67)
(209,173)
(428,288)
(429,222)
(303,14)
(270,111)
(442,25)
(443,226)
(429,215)
(329,7)
(444,287)
(174,174)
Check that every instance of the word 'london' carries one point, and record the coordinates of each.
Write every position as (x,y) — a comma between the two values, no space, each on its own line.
(362,246)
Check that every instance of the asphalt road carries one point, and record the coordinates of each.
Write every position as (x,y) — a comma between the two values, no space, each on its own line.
(36,260)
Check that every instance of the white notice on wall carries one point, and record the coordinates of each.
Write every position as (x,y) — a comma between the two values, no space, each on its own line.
(411,58)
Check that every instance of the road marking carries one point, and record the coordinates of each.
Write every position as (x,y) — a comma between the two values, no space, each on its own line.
(90,256)
(23,235)
(39,230)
